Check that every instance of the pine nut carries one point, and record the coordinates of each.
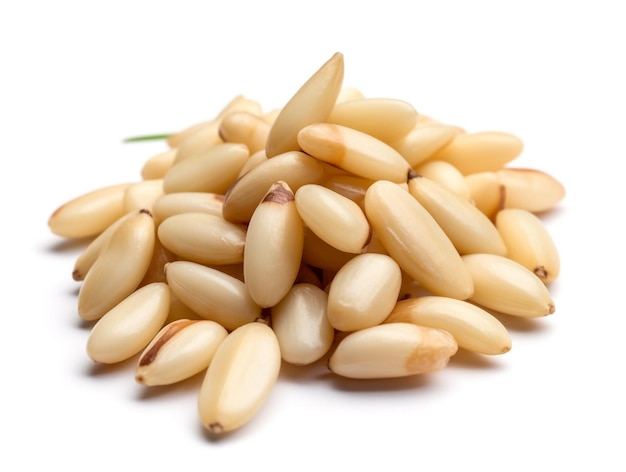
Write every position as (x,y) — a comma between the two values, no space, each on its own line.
(383,118)
(273,248)
(301,324)
(392,350)
(119,268)
(312,103)
(90,213)
(203,238)
(230,396)
(334,218)
(480,152)
(180,350)
(529,242)
(363,292)
(129,326)
(339,228)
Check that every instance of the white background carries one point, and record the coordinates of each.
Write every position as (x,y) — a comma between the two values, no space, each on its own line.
(77,77)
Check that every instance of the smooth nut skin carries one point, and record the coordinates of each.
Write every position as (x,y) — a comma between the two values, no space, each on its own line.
(392,350)
(363,292)
(240,377)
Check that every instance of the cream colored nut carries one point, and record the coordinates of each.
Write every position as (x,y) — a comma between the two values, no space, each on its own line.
(479,152)
(180,350)
(386,119)
(414,239)
(508,287)
(363,292)
(240,378)
(212,170)
(530,189)
(473,328)
(89,214)
(529,242)
(334,218)
(204,238)
(120,266)
(187,202)
(301,324)
(392,350)
(212,294)
(273,246)
(467,227)
(312,103)
(354,151)
(294,168)
(129,326)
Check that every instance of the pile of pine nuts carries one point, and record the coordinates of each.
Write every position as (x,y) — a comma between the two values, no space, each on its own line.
(340,228)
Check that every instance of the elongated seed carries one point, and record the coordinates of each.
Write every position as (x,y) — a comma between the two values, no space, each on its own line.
(506,286)
(119,268)
(294,168)
(89,214)
(392,350)
(363,292)
(334,218)
(529,242)
(212,170)
(180,350)
(479,152)
(353,151)
(301,324)
(212,294)
(530,189)
(414,239)
(472,327)
(187,202)
(129,326)
(273,246)
(203,238)
(467,227)
(312,103)
(240,378)
(386,119)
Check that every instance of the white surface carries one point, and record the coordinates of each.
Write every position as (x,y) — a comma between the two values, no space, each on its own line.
(77,77)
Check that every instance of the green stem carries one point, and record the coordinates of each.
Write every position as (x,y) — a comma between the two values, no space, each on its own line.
(147,137)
